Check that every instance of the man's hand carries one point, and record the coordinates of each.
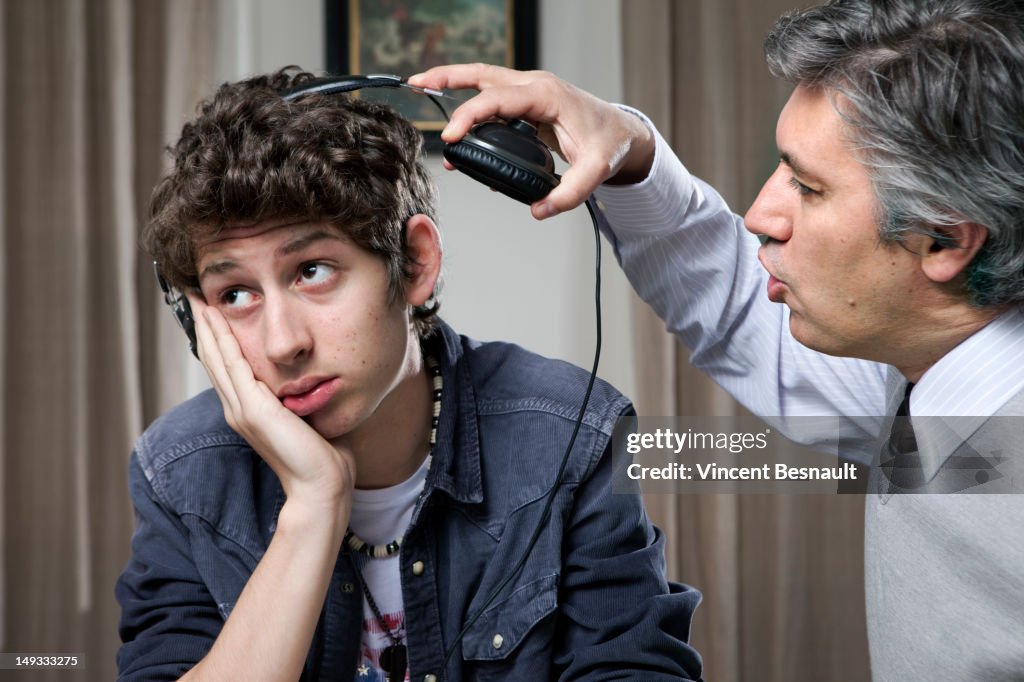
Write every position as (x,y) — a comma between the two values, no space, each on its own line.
(601,142)
(311,470)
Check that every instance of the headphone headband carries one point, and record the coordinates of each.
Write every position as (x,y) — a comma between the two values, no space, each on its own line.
(334,85)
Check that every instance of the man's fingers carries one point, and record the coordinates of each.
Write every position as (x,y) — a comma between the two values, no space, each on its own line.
(578,182)
(506,93)
(506,103)
(459,76)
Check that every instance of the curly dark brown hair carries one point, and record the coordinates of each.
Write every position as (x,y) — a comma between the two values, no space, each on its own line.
(250,156)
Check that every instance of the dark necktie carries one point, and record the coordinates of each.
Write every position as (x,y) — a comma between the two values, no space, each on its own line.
(901,461)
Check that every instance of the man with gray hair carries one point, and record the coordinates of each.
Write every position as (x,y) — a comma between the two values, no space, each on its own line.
(891,232)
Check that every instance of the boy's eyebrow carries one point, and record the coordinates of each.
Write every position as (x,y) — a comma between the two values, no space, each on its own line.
(218,267)
(224,265)
(302,241)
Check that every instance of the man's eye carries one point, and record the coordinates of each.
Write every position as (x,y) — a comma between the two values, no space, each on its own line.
(236,298)
(314,273)
(800,187)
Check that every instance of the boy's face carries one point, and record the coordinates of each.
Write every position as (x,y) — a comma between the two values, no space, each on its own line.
(312,316)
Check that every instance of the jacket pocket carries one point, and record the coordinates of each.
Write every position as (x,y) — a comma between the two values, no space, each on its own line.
(505,625)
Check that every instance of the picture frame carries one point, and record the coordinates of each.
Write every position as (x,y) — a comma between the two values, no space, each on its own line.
(403,37)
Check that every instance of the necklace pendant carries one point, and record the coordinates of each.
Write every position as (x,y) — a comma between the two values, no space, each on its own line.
(393,662)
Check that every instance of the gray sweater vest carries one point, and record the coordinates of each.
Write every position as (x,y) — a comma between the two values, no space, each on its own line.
(944,576)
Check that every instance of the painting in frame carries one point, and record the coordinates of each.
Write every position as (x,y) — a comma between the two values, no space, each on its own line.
(403,37)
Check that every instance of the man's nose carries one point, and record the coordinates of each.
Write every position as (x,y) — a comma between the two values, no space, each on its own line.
(770,216)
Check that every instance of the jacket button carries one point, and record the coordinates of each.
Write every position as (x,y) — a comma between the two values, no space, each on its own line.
(497,641)
(348,588)
(430,678)
(417,568)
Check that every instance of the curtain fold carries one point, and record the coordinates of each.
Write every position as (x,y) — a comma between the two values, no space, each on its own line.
(90,98)
(3,335)
(782,575)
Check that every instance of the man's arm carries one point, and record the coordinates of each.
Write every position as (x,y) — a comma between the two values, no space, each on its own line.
(683,250)
(618,616)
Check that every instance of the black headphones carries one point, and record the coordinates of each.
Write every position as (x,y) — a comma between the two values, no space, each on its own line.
(180,307)
(507,157)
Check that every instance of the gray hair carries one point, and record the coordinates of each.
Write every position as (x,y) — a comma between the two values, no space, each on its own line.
(933,92)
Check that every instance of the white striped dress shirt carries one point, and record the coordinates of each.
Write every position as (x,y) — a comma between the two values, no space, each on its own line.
(693,261)
(944,574)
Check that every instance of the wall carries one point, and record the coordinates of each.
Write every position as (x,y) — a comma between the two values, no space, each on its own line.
(507,276)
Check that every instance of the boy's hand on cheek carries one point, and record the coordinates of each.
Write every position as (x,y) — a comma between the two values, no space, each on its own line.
(312,471)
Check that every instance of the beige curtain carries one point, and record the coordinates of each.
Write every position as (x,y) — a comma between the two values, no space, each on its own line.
(92,89)
(782,576)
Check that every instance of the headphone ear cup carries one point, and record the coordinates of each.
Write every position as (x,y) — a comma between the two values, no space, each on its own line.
(483,165)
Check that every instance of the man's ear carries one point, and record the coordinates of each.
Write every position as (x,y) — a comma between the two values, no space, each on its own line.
(423,253)
(946,257)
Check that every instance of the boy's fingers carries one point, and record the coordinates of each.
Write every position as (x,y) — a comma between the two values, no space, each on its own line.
(237,367)
(213,361)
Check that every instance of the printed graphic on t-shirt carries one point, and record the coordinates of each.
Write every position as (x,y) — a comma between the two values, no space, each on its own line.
(374,641)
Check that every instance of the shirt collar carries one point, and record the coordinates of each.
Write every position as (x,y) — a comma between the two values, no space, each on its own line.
(966,387)
(456,458)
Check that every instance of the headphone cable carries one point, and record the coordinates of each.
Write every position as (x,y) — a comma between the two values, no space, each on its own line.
(565,457)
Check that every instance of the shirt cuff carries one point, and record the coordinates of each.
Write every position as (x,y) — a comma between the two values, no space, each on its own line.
(656,204)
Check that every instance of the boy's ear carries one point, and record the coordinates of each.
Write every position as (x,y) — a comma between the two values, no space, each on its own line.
(423,249)
(944,259)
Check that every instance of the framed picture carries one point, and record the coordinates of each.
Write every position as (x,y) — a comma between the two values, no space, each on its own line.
(403,37)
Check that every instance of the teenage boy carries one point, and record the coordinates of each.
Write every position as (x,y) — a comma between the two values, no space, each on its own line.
(362,480)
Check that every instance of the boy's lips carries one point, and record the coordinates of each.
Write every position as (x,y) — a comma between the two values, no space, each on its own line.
(309,395)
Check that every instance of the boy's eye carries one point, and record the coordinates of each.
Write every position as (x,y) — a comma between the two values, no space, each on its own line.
(314,273)
(236,298)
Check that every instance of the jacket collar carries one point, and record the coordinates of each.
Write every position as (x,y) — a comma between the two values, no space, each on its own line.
(456,458)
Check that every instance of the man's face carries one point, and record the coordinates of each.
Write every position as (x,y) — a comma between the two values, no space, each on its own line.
(312,315)
(848,293)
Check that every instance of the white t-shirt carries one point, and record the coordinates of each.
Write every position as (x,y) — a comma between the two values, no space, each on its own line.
(378,517)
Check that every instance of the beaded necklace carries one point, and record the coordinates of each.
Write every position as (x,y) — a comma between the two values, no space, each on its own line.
(393,659)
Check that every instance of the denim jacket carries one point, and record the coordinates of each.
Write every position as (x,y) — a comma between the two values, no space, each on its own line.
(590,603)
